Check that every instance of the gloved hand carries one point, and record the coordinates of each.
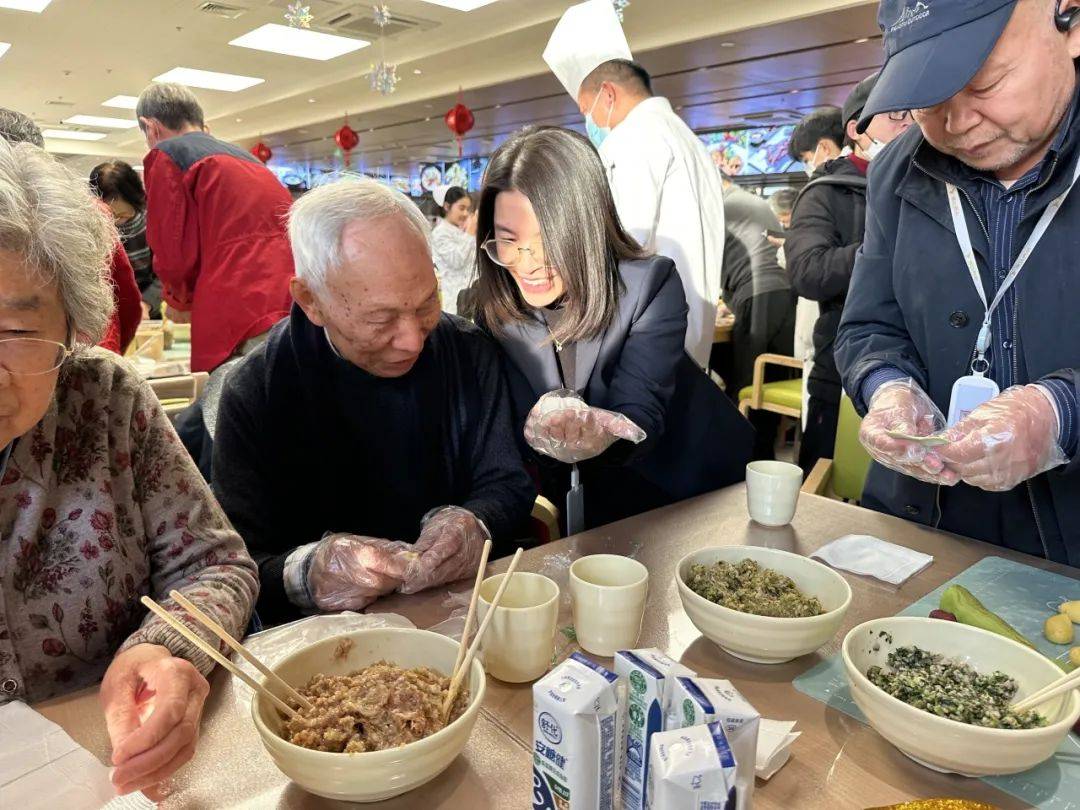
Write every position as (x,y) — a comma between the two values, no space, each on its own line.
(350,572)
(562,425)
(900,406)
(450,545)
(1005,441)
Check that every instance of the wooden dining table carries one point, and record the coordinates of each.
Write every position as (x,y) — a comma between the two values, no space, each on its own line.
(838,762)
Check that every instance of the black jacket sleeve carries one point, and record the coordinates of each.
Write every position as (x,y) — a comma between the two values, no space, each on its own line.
(819,262)
(643,382)
(502,493)
(873,332)
(244,488)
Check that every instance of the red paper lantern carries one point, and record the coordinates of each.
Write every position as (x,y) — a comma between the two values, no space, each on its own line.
(347,139)
(459,119)
(262,152)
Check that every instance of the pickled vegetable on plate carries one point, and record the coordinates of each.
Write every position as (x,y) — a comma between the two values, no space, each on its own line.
(967,609)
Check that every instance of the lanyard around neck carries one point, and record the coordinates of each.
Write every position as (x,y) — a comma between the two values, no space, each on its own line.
(979,365)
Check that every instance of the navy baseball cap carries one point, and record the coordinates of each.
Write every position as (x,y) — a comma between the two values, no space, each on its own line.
(933,48)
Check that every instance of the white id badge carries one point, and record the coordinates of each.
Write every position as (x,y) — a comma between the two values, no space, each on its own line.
(968,393)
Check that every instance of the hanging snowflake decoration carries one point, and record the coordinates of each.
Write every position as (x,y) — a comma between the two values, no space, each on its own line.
(620,7)
(299,16)
(382,15)
(384,78)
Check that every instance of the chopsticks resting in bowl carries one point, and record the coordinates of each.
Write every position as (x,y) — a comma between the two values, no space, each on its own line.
(466,664)
(213,652)
(480,571)
(223,634)
(1061,686)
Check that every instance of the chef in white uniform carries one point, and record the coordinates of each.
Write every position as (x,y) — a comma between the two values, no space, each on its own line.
(666,187)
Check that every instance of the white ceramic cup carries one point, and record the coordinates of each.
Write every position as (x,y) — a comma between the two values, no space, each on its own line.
(520,641)
(772,491)
(608,593)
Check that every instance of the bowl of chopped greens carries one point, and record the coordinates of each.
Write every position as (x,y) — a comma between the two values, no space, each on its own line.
(762,604)
(941,692)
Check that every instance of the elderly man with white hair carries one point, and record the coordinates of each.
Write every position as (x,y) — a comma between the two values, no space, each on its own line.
(99,502)
(367,446)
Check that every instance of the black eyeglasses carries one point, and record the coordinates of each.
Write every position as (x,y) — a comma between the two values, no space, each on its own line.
(899,115)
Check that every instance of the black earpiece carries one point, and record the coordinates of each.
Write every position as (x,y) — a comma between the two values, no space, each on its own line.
(1066,21)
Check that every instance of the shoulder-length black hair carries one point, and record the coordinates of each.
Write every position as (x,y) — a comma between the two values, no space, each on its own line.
(564,179)
(116,179)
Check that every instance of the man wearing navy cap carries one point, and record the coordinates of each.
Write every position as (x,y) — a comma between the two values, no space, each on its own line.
(961,320)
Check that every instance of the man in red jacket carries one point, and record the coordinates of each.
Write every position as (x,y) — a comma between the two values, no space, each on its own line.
(216,224)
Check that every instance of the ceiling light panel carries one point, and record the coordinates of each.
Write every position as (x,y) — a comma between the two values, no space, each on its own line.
(73,135)
(3,47)
(302,42)
(208,79)
(101,121)
(461,5)
(121,102)
(36,6)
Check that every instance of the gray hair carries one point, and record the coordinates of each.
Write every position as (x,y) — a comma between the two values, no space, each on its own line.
(16,127)
(783,200)
(49,217)
(172,104)
(318,219)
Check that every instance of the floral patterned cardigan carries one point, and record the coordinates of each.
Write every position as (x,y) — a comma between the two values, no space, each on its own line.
(100,504)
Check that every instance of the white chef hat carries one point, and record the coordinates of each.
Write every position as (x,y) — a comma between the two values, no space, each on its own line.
(439,195)
(588,35)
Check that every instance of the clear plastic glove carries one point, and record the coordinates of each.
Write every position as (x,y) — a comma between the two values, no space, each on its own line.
(350,572)
(562,425)
(900,406)
(1005,441)
(450,545)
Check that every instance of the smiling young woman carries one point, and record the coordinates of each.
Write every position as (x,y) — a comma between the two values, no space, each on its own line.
(594,329)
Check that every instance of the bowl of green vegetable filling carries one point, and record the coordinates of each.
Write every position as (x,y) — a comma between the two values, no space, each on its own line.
(762,604)
(941,692)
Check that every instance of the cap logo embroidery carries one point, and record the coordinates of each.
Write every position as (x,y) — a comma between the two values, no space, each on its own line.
(910,15)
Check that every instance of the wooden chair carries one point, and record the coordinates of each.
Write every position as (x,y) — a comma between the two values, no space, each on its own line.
(783,397)
(546,514)
(843,476)
(177,393)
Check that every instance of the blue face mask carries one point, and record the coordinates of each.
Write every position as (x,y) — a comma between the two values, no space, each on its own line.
(597,134)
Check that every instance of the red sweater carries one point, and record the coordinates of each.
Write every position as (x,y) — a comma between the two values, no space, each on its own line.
(127,313)
(216,225)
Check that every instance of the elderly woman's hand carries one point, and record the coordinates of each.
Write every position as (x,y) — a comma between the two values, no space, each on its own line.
(153,703)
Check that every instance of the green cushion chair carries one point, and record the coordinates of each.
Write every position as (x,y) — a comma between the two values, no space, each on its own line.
(844,475)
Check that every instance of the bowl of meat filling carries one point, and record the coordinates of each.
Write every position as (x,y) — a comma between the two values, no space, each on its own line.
(941,692)
(762,604)
(375,728)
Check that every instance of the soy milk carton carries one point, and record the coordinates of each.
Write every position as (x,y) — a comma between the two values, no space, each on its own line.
(692,769)
(648,675)
(696,701)
(576,737)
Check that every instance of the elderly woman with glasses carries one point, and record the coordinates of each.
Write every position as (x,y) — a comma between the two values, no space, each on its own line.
(99,503)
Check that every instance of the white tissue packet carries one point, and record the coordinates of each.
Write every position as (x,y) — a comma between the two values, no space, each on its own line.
(42,768)
(692,769)
(873,557)
(775,738)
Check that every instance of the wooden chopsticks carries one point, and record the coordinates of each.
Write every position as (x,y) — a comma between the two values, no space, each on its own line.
(223,634)
(212,651)
(466,664)
(1066,683)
